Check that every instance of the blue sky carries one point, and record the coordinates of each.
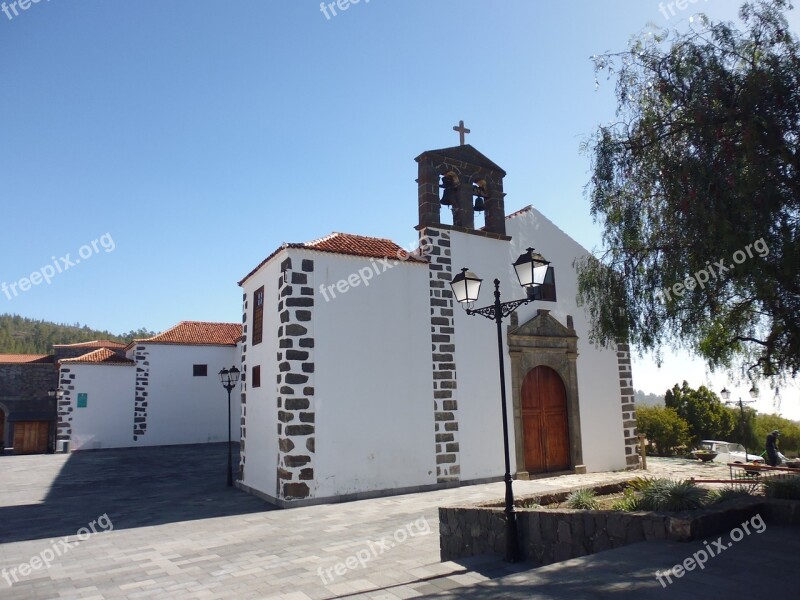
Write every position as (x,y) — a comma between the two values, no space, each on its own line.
(201,135)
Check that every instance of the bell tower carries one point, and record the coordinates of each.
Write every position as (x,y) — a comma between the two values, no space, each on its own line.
(469,182)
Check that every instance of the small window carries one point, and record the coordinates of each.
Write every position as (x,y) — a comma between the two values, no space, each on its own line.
(200,370)
(256,376)
(258,316)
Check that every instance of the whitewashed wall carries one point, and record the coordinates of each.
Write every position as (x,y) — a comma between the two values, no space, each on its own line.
(183,409)
(374,385)
(479,408)
(261,444)
(107,419)
(598,372)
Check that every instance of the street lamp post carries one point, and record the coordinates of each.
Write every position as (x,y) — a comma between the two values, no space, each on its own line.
(531,269)
(725,393)
(56,395)
(229,379)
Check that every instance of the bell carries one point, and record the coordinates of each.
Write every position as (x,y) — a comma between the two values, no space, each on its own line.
(480,205)
(448,196)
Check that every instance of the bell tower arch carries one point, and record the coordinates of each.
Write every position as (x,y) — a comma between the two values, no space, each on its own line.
(468,181)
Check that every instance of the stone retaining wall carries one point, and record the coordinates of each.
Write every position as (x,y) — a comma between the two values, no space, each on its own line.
(554,535)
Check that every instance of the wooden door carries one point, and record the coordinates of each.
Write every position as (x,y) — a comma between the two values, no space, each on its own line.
(30,437)
(545,421)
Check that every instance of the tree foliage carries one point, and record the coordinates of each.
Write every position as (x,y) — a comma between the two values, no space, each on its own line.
(704,413)
(700,173)
(789,441)
(663,427)
(19,335)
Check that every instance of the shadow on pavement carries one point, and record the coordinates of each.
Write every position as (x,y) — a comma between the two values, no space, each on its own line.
(135,487)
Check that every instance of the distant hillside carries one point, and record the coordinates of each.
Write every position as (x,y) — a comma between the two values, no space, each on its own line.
(643,399)
(19,335)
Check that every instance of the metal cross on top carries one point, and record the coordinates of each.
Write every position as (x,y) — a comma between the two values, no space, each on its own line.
(462,131)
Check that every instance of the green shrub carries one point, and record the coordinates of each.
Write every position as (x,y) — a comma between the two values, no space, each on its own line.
(717,496)
(530,503)
(672,496)
(583,499)
(784,489)
(629,502)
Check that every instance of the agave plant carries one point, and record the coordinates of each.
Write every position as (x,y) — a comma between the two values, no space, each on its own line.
(583,499)
(727,493)
(672,496)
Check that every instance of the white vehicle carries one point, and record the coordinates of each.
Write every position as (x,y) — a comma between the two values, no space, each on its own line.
(729,452)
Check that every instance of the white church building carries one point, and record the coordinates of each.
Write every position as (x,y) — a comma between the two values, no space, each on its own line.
(362,376)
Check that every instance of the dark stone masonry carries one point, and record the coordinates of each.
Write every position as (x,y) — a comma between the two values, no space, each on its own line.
(296,428)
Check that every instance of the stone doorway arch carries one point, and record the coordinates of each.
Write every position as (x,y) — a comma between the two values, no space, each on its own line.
(544,342)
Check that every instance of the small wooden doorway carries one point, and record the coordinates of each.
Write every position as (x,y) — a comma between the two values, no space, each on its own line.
(545,421)
(30,437)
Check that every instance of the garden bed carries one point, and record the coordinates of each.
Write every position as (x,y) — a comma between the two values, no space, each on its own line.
(550,535)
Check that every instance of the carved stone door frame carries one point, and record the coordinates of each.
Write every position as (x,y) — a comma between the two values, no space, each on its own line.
(543,341)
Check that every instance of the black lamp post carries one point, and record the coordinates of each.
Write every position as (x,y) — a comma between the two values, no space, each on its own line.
(229,379)
(531,270)
(56,395)
(725,393)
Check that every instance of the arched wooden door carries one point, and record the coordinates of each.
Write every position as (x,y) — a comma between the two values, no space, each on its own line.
(545,421)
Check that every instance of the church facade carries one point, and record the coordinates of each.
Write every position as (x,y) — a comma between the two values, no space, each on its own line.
(362,376)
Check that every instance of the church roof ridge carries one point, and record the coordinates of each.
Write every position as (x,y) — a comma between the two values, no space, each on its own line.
(346,244)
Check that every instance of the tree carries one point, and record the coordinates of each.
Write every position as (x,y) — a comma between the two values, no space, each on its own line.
(663,427)
(706,416)
(697,189)
(789,440)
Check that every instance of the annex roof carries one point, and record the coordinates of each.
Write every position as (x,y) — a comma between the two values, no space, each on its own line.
(93,345)
(22,359)
(102,356)
(197,333)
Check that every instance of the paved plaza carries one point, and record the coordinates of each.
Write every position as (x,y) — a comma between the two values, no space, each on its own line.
(179,532)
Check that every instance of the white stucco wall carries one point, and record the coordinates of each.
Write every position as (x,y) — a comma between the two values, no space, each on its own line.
(183,409)
(107,419)
(375,427)
(479,407)
(598,373)
(261,445)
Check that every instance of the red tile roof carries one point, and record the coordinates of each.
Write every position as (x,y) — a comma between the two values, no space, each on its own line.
(95,344)
(196,333)
(102,356)
(21,359)
(349,245)
(521,211)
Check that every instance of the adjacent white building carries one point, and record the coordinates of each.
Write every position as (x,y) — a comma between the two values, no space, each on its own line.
(363,377)
(158,391)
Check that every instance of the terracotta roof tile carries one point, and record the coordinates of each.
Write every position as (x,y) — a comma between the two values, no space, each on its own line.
(197,333)
(95,344)
(20,359)
(350,245)
(102,356)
